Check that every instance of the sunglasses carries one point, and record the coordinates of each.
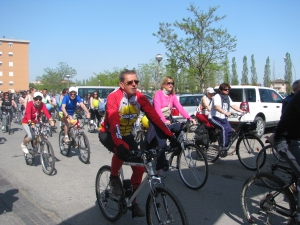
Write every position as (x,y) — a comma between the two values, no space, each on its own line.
(72,93)
(131,82)
(170,83)
(95,94)
(38,99)
(226,89)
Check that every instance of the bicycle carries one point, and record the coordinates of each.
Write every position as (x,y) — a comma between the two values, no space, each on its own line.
(19,114)
(78,140)
(162,206)
(263,203)
(6,123)
(40,145)
(247,146)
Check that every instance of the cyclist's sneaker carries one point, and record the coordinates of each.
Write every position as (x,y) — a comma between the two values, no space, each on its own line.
(138,212)
(161,173)
(3,129)
(91,122)
(116,187)
(24,148)
(67,140)
(223,151)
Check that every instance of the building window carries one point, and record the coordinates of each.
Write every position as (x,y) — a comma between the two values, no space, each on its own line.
(1,73)
(0,53)
(11,74)
(11,83)
(0,63)
(0,43)
(10,44)
(10,54)
(10,63)
(1,83)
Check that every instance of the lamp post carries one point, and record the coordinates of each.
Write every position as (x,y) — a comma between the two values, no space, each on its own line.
(158,58)
(293,67)
(99,81)
(68,76)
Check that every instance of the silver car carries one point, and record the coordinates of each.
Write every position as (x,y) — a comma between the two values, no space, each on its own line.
(190,102)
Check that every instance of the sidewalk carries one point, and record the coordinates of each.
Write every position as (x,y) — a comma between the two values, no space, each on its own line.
(15,209)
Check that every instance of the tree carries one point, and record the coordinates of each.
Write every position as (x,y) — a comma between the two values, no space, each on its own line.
(253,71)
(147,74)
(267,74)
(244,79)
(201,46)
(288,75)
(226,71)
(52,79)
(234,79)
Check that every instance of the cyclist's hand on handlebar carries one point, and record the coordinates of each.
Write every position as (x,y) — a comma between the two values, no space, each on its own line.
(167,122)
(51,122)
(228,114)
(88,115)
(122,152)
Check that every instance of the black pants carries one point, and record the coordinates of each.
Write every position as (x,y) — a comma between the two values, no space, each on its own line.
(95,113)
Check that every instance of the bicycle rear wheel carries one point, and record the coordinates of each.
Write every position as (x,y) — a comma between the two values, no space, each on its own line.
(268,160)
(265,205)
(84,150)
(192,166)
(212,152)
(162,207)
(248,146)
(65,148)
(47,157)
(107,201)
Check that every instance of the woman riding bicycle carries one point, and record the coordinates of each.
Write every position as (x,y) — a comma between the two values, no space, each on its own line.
(6,107)
(94,103)
(205,107)
(164,100)
(33,112)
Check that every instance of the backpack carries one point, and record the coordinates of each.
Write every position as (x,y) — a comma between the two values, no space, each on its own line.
(101,108)
(201,135)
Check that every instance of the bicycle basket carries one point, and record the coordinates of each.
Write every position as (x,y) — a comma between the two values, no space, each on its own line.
(248,126)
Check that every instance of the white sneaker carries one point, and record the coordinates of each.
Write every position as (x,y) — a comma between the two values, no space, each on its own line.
(91,122)
(24,148)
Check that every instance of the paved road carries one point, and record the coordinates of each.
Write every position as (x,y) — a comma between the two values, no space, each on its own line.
(28,196)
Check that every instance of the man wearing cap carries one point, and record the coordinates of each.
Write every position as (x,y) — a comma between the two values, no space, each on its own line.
(32,116)
(205,107)
(68,107)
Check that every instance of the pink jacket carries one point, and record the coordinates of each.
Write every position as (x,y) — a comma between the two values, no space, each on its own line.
(161,100)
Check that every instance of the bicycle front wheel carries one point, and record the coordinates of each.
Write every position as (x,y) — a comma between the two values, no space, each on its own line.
(47,157)
(65,148)
(192,166)
(107,201)
(162,207)
(248,146)
(84,150)
(265,205)
(268,160)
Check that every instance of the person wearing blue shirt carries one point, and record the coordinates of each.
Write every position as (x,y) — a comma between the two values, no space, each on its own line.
(68,107)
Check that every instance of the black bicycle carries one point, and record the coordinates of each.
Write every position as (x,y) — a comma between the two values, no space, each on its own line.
(247,146)
(40,145)
(78,140)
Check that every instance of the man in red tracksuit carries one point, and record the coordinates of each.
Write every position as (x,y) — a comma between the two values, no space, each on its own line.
(122,110)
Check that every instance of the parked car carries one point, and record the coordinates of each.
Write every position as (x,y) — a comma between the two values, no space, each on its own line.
(263,105)
(190,102)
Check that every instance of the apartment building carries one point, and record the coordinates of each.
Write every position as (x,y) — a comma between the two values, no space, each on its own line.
(279,85)
(14,64)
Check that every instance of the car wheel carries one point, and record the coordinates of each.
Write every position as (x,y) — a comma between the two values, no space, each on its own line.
(260,127)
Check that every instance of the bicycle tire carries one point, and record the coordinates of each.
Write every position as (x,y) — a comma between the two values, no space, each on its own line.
(269,161)
(262,203)
(49,130)
(247,148)
(47,157)
(63,147)
(84,152)
(162,207)
(108,202)
(192,166)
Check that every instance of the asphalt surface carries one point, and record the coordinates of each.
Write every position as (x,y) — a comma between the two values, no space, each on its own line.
(28,196)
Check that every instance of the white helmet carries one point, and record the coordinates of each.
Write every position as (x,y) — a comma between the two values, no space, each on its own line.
(71,89)
(37,93)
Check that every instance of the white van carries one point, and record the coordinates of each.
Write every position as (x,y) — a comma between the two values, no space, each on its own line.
(103,91)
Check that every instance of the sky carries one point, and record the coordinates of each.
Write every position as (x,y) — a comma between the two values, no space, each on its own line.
(94,36)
